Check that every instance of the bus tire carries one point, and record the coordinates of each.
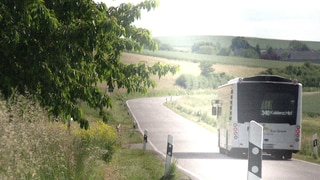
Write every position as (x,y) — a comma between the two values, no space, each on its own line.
(283,155)
(238,153)
(222,151)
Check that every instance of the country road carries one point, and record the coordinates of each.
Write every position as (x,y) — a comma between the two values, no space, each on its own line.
(195,148)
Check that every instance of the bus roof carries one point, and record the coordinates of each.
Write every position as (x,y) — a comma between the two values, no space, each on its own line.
(271,78)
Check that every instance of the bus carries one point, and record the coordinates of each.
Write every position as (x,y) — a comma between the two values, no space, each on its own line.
(270,100)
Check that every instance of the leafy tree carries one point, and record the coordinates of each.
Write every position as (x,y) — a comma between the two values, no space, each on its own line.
(239,43)
(203,47)
(58,51)
(298,46)
(206,68)
(258,49)
(241,47)
(270,50)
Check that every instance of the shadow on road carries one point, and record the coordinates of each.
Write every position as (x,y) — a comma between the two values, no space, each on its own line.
(215,155)
(199,155)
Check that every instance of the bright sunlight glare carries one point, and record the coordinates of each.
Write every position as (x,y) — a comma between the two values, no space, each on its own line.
(291,20)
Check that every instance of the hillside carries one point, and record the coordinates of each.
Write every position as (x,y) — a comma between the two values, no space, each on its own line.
(225,41)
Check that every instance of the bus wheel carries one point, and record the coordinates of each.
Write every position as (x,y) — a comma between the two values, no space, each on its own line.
(222,151)
(283,156)
(287,156)
(238,153)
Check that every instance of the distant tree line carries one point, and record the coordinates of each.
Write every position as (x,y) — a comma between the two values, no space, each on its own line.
(163,46)
(207,79)
(205,48)
(242,48)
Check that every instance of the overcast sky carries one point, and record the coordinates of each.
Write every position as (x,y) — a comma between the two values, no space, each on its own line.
(276,19)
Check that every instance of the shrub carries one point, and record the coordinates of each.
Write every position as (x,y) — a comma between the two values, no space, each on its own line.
(100,139)
(204,48)
(172,174)
(190,82)
(212,80)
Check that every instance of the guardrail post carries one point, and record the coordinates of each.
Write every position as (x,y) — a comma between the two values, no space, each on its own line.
(169,154)
(135,124)
(315,146)
(118,128)
(255,151)
(145,139)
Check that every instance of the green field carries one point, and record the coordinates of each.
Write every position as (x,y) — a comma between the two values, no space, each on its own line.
(230,60)
(311,103)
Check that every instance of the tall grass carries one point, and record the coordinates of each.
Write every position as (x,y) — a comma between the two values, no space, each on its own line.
(310,126)
(32,147)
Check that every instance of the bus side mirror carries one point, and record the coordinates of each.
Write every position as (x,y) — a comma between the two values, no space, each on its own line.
(214,111)
(216,107)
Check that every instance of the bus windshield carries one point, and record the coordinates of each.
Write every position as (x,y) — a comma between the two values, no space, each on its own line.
(267,103)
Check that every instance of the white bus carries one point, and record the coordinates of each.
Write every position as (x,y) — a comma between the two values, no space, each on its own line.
(273,101)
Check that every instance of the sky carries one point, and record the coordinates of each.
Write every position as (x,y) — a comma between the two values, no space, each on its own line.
(274,19)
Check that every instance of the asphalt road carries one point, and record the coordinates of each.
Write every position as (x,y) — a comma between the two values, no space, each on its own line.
(195,148)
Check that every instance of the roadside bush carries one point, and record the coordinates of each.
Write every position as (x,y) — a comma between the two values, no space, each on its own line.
(100,139)
(217,79)
(191,82)
(212,80)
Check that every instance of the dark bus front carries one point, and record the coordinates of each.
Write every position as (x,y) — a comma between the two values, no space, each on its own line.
(268,103)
